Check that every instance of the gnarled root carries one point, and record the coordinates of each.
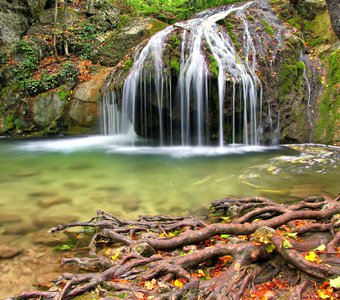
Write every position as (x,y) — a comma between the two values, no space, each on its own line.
(264,249)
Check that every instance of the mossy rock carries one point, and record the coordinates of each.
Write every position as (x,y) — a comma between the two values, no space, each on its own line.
(327,127)
(129,33)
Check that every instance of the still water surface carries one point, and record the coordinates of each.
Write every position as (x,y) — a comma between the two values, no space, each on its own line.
(77,176)
(110,174)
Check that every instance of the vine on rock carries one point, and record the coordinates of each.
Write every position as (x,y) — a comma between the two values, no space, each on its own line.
(252,248)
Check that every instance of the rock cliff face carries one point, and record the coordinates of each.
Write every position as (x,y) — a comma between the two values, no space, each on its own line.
(39,96)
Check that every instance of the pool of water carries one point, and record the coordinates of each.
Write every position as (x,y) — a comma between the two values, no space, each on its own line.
(77,176)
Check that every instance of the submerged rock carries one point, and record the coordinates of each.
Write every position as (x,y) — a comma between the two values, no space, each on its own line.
(19,229)
(9,251)
(50,221)
(4,218)
(48,202)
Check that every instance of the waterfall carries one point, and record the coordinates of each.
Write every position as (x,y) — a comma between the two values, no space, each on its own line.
(187,110)
(304,59)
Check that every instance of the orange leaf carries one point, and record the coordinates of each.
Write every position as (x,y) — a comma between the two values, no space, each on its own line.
(226,258)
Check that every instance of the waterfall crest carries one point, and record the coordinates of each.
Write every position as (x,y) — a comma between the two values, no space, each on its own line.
(190,108)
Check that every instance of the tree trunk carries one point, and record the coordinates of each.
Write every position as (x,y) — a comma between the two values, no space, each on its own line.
(55,25)
(333,7)
(65,42)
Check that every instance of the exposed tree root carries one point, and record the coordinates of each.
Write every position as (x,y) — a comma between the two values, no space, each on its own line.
(262,251)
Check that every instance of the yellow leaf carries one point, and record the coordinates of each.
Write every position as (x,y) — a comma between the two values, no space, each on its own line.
(178,283)
(323,295)
(115,256)
(200,272)
(311,256)
(286,244)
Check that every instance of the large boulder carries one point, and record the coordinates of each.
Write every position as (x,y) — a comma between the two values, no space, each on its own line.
(103,9)
(12,26)
(308,9)
(129,33)
(47,108)
(84,103)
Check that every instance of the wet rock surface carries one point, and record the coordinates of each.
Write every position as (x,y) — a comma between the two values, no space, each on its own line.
(9,252)
(50,221)
(49,202)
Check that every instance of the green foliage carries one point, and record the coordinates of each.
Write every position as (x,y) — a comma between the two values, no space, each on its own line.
(267,27)
(30,63)
(173,10)
(68,73)
(175,67)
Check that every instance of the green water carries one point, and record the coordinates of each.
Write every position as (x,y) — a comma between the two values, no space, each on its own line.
(53,178)
(94,173)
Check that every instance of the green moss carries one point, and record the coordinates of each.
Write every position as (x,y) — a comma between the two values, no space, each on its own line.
(267,27)
(295,22)
(232,34)
(156,26)
(17,124)
(213,67)
(290,79)
(334,67)
(300,66)
(326,129)
(286,78)
(250,18)
(128,64)
(315,42)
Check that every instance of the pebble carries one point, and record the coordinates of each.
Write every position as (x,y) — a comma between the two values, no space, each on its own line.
(50,221)
(9,252)
(48,202)
(50,239)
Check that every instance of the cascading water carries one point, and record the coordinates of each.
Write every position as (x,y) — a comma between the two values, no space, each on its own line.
(191,110)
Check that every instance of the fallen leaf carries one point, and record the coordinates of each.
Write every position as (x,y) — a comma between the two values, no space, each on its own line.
(226,258)
(311,256)
(322,247)
(335,282)
(323,295)
(291,234)
(178,283)
(286,244)
(225,236)
(150,285)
